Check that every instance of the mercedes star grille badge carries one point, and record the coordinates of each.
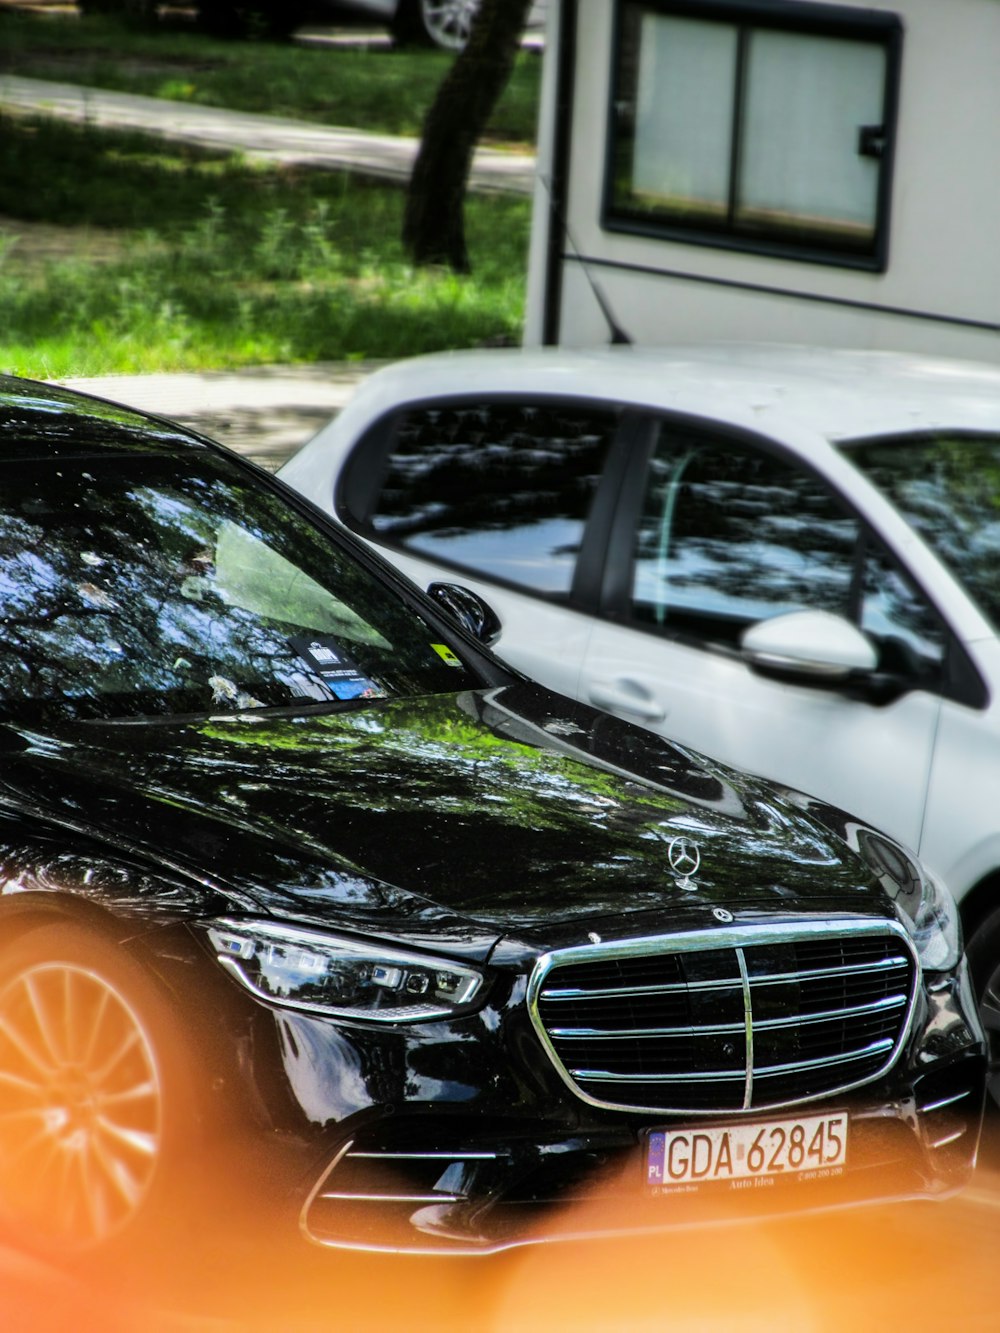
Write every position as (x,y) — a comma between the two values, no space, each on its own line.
(684,858)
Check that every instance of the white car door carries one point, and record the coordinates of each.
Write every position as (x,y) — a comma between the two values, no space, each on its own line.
(727,532)
(543,639)
(495,495)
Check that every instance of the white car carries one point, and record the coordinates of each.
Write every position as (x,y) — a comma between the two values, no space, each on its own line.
(788,558)
(443,23)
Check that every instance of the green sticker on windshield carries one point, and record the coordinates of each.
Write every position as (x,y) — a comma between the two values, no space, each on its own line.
(446,655)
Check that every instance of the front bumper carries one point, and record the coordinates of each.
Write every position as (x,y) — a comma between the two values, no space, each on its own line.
(407,1186)
(464,1137)
(496,1171)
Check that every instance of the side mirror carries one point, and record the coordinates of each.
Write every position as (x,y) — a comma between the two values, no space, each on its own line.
(814,644)
(468,610)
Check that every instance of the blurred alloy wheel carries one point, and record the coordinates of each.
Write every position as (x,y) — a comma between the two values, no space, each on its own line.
(81,1094)
(443,23)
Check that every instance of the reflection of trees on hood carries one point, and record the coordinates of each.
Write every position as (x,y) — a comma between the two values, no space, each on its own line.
(414,811)
(412,755)
(432,771)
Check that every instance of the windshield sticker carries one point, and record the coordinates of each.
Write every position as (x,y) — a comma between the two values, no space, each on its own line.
(305,685)
(446,655)
(339,672)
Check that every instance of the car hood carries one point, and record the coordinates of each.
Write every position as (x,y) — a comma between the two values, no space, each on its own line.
(513,811)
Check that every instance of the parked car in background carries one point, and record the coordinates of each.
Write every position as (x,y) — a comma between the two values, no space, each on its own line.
(442,23)
(305,896)
(786,558)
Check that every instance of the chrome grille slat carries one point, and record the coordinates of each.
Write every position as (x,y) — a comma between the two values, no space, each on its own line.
(818,973)
(734,1019)
(951,1137)
(781,979)
(951,1100)
(346,1196)
(874,1048)
(603,1076)
(761,1025)
(849,1011)
(620,1034)
(555,996)
(766,1071)
(387,1156)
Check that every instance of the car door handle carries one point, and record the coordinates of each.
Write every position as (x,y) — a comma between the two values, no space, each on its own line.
(626,696)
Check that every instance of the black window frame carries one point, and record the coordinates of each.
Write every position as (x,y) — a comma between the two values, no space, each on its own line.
(793,16)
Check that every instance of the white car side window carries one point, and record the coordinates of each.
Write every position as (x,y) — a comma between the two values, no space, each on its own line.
(501,489)
(911,638)
(731,535)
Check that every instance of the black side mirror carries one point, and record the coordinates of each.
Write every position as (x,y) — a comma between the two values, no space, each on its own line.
(468,610)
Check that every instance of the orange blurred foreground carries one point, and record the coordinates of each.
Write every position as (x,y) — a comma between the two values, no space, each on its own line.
(921,1266)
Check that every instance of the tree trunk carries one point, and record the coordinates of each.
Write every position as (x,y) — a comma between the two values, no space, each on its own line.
(434,223)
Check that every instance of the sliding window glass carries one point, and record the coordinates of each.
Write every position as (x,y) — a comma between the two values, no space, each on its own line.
(764,127)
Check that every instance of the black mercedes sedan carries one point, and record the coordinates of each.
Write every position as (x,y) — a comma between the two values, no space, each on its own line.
(304,893)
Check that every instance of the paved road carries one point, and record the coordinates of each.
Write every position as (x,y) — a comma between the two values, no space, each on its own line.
(259,137)
(264,412)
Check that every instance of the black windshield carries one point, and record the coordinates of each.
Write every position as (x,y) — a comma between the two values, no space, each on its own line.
(152,585)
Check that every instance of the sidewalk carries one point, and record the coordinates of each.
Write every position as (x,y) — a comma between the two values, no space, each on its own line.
(258,137)
(264,412)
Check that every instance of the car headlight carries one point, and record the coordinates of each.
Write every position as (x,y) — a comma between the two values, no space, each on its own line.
(341,977)
(926,907)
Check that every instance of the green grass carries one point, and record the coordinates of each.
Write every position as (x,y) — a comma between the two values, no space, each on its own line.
(221,263)
(227,264)
(387,90)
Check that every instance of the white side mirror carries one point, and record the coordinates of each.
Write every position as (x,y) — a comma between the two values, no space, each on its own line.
(809,643)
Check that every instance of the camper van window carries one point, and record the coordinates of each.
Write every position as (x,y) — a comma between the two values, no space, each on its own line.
(499,488)
(749,127)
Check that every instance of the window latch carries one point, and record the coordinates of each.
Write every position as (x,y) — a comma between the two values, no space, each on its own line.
(872,141)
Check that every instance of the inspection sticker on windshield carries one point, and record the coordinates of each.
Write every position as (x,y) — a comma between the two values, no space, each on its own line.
(807,1147)
(446,655)
(335,668)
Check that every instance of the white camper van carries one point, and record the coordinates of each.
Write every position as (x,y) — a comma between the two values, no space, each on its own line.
(777,170)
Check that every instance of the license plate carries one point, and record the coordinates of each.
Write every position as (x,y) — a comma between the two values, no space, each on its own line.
(812,1145)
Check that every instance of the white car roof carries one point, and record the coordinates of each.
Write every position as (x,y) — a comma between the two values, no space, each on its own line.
(837,394)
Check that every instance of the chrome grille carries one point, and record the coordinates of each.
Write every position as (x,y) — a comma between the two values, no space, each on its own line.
(737,1019)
